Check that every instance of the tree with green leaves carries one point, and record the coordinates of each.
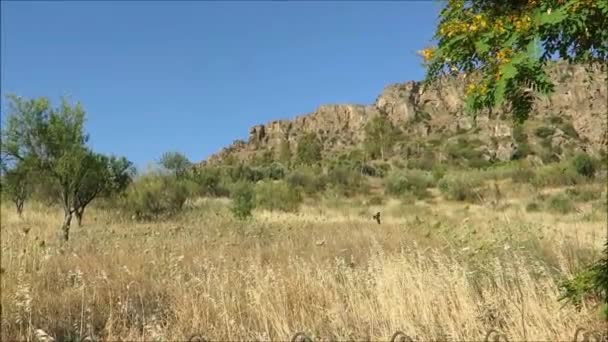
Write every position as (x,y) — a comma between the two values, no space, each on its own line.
(285,152)
(175,162)
(16,184)
(309,149)
(503,46)
(380,137)
(53,143)
(106,176)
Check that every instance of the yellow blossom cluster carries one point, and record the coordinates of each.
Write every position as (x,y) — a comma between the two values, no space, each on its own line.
(473,88)
(582,3)
(523,23)
(503,56)
(427,54)
(477,23)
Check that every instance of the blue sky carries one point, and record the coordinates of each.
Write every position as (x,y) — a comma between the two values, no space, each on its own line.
(194,76)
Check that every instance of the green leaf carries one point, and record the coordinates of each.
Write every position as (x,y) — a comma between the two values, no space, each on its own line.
(482,47)
(533,49)
(499,92)
(552,17)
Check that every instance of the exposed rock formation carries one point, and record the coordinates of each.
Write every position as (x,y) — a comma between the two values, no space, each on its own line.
(580,97)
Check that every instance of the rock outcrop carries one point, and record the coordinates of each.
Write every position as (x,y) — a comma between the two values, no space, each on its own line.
(580,98)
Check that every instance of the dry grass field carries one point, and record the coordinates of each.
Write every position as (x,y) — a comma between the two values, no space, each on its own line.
(436,270)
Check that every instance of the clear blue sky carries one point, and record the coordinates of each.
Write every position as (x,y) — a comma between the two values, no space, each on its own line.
(194,76)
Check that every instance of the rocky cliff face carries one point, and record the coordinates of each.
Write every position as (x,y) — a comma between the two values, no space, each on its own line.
(580,98)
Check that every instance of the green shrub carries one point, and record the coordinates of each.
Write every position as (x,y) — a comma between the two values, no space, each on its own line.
(208,182)
(310,180)
(544,132)
(153,196)
(462,188)
(309,149)
(568,129)
(556,175)
(243,200)
(523,175)
(438,172)
(375,200)
(405,182)
(464,153)
(560,203)
(275,171)
(347,181)
(584,165)
(277,195)
(532,207)
(555,120)
(584,195)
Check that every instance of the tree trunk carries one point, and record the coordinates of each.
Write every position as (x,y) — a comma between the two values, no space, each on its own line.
(19,205)
(67,221)
(79,213)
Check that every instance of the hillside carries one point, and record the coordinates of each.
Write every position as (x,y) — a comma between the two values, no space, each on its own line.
(573,118)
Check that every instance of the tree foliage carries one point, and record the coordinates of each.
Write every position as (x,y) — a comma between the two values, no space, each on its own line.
(16,184)
(175,162)
(380,137)
(309,149)
(507,44)
(52,142)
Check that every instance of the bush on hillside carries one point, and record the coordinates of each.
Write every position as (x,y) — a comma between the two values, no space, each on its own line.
(243,200)
(555,175)
(404,182)
(277,195)
(347,181)
(544,132)
(461,188)
(561,204)
(310,180)
(584,165)
(153,196)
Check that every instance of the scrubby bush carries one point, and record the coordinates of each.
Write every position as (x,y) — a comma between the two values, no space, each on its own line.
(208,182)
(584,195)
(461,188)
(464,152)
(556,175)
(309,150)
(405,182)
(155,196)
(346,181)
(275,171)
(310,180)
(277,195)
(375,200)
(438,172)
(523,175)
(560,203)
(544,132)
(584,165)
(533,207)
(243,200)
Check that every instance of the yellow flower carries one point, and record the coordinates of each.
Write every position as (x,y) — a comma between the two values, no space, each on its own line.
(427,54)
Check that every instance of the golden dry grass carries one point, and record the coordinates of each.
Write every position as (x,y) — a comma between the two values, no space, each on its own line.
(435,271)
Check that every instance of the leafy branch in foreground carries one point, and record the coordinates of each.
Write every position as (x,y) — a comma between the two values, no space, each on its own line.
(506,45)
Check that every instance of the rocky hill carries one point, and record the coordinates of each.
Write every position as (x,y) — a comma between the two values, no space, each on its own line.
(574,117)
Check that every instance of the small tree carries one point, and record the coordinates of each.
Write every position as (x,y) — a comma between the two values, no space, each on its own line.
(53,142)
(380,136)
(106,176)
(309,149)
(16,184)
(243,200)
(176,163)
(285,152)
